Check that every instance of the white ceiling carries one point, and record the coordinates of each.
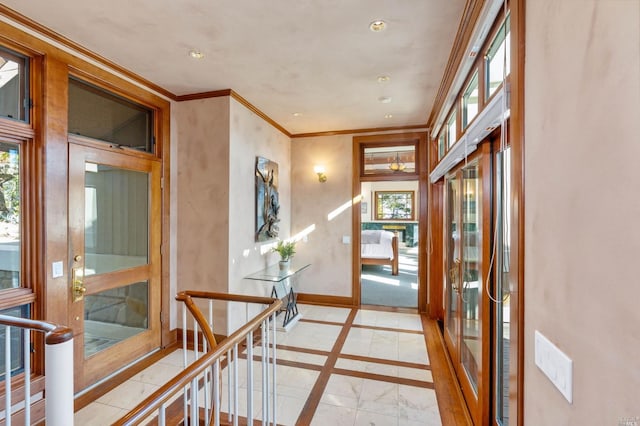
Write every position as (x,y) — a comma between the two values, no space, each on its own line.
(315,57)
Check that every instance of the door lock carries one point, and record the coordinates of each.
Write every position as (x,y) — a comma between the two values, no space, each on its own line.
(77,283)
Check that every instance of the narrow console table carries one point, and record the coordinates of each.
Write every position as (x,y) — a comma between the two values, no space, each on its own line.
(283,284)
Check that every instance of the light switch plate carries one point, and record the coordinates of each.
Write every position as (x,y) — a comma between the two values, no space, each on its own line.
(555,364)
(346,239)
(57,269)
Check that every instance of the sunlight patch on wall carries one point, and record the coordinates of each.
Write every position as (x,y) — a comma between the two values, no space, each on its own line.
(335,213)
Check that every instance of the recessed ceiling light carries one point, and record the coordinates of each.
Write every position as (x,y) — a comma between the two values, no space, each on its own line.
(196,54)
(388,116)
(377,25)
(297,114)
(383,78)
(384,99)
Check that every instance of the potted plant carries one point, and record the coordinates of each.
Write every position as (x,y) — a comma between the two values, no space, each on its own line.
(286,250)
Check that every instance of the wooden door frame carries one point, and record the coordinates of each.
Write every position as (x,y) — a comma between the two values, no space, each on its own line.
(420,139)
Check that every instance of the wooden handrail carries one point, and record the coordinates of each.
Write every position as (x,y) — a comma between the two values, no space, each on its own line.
(54,334)
(149,405)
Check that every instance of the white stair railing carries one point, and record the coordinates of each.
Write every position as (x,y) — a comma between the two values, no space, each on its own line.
(58,354)
(196,393)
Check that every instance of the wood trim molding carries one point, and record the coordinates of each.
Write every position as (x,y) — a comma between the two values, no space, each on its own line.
(258,112)
(56,38)
(516,277)
(356,131)
(237,97)
(465,29)
(453,410)
(204,95)
(325,300)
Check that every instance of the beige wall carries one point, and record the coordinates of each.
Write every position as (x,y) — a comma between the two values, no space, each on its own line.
(217,141)
(312,201)
(202,194)
(582,206)
(251,136)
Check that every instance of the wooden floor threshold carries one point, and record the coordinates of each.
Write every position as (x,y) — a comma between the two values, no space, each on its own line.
(453,408)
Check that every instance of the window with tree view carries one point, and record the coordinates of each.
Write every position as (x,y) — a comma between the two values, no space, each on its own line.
(9,216)
(394,205)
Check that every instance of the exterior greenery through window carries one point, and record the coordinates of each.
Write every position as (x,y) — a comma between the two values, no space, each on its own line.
(394,205)
(9,215)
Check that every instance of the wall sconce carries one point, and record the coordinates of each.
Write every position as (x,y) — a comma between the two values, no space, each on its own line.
(319,170)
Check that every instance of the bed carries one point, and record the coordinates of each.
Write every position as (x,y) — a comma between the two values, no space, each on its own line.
(378,247)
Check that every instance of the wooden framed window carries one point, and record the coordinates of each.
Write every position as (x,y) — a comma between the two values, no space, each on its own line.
(397,161)
(14,85)
(452,134)
(105,116)
(498,59)
(470,101)
(442,145)
(394,205)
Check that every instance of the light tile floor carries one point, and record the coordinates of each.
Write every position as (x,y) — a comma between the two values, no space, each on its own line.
(378,344)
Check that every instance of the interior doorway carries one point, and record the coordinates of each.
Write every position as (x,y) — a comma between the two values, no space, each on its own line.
(389,256)
(389,230)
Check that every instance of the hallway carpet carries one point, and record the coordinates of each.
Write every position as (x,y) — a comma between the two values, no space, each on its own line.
(381,288)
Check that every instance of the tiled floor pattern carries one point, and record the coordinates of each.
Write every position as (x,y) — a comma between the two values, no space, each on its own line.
(379,377)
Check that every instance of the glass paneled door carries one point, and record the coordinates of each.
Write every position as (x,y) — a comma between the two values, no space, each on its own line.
(465,318)
(114,242)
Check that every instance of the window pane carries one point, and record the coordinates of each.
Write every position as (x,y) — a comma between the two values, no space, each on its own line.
(451,131)
(116,218)
(441,145)
(496,59)
(114,315)
(17,348)
(470,102)
(389,160)
(98,114)
(13,85)
(394,205)
(9,216)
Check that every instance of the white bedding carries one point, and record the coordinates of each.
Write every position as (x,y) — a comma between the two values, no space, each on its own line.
(384,250)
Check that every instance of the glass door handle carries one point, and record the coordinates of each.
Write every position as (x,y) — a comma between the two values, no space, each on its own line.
(77,282)
(453,275)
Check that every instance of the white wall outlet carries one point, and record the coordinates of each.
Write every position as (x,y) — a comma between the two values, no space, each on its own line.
(555,364)
(57,269)
(346,239)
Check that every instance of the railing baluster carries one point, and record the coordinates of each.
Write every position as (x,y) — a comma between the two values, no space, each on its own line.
(194,401)
(7,376)
(273,364)
(235,385)
(216,392)
(268,378)
(26,335)
(250,377)
(162,415)
(229,385)
(196,346)
(185,338)
(265,388)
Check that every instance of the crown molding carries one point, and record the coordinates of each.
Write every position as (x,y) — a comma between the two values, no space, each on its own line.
(352,131)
